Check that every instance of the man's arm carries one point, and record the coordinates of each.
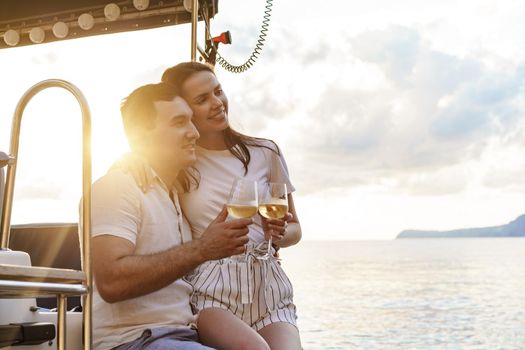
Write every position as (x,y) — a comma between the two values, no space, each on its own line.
(120,274)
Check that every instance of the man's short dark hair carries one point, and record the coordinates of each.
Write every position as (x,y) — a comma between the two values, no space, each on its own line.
(138,109)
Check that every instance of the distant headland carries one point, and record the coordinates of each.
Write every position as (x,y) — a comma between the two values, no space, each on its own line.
(515,228)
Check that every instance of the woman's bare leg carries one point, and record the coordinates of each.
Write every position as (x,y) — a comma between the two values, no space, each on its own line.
(281,336)
(219,328)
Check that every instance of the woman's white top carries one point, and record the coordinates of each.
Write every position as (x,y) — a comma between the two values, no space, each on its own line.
(218,170)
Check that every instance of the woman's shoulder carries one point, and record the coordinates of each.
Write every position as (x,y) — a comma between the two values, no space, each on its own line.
(264,144)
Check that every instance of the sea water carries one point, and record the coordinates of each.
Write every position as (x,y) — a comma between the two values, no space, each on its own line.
(409,294)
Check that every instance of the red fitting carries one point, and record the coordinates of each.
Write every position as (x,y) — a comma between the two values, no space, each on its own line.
(224,38)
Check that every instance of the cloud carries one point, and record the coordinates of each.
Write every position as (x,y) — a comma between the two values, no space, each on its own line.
(381,108)
(431,113)
(48,58)
(257,98)
(149,74)
(481,106)
(351,121)
(395,50)
(41,189)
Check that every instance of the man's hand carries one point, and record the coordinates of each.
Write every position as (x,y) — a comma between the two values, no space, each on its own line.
(223,239)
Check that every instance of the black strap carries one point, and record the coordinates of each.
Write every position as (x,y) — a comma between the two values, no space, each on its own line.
(33,333)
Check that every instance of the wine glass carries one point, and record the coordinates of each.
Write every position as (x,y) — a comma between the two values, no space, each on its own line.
(242,201)
(273,204)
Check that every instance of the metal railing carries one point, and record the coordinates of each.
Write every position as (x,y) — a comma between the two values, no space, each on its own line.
(23,289)
(194,20)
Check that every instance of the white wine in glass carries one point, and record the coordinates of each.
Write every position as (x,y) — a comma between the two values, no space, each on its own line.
(273,204)
(241,211)
(273,210)
(242,201)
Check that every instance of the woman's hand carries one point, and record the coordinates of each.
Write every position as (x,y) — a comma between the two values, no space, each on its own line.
(138,167)
(276,228)
(285,232)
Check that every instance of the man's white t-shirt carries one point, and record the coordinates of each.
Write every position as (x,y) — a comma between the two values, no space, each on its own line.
(153,223)
(218,170)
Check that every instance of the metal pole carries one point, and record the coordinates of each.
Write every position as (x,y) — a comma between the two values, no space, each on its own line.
(86,186)
(61,324)
(85,222)
(194,19)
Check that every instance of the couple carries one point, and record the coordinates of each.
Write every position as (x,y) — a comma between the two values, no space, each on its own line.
(164,268)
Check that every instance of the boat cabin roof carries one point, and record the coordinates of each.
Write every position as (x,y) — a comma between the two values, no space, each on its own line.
(19,17)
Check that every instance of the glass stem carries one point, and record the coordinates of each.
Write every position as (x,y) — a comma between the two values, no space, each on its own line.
(269,253)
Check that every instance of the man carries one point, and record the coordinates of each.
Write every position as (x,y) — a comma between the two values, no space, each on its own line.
(142,243)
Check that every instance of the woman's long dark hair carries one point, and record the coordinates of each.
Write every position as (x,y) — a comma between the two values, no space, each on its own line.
(236,142)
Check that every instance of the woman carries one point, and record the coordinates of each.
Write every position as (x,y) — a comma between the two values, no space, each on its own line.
(244,302)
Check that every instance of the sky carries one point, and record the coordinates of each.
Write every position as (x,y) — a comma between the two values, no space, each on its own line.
(391,115)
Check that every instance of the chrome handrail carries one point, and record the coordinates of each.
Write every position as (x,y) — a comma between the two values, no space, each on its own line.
(39,289)
(194,20)
(85,220)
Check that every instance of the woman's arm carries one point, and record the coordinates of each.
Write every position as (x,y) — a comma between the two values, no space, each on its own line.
(138,167)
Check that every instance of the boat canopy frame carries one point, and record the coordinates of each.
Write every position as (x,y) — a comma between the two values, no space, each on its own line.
(19,18)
